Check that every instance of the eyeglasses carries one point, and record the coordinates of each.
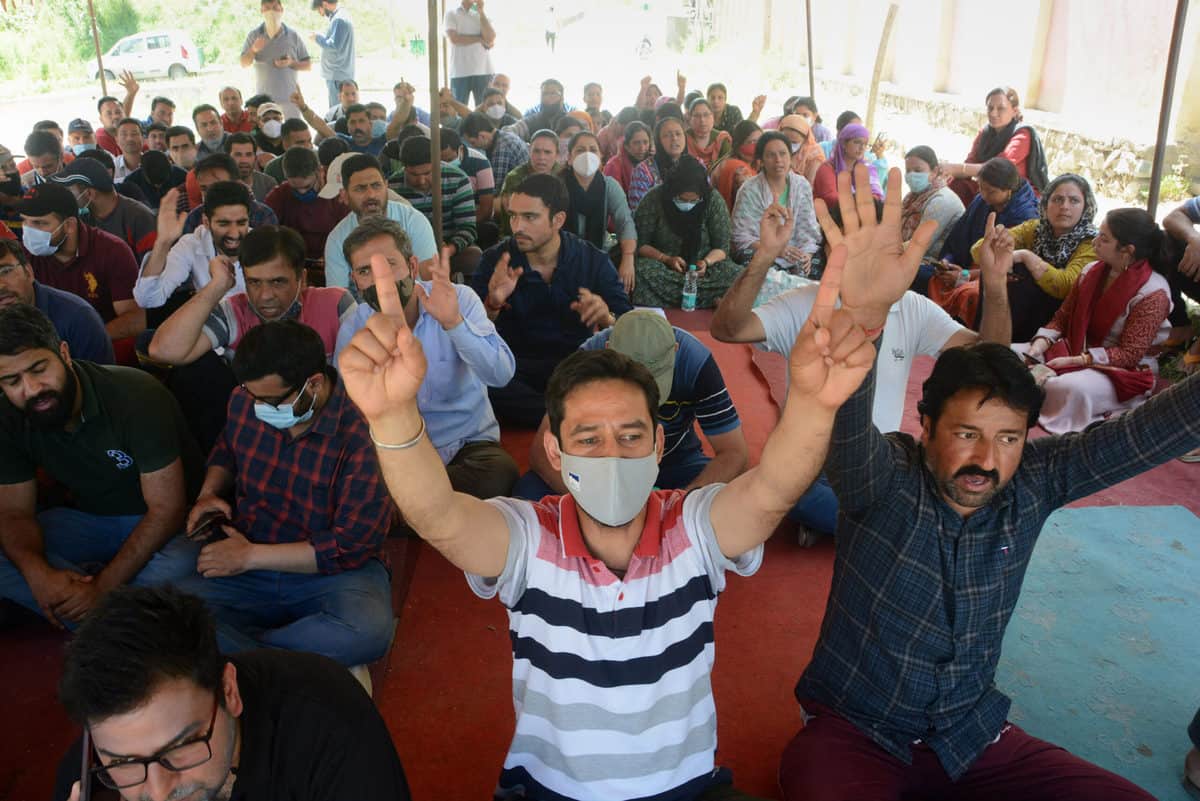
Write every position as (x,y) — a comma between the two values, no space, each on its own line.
(184,756)
(277,401)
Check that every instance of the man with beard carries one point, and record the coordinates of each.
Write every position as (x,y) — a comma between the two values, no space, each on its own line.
(242,149)
(362,134)
(222,167)
(364,189)
(208,128)
(544,114)
(76,321)
(117,441)
(170,717)
(181,146)
(504,151)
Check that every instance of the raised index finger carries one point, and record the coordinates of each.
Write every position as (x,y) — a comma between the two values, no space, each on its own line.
(385,287)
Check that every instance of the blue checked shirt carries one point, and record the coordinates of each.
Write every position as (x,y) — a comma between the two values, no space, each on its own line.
(921,597)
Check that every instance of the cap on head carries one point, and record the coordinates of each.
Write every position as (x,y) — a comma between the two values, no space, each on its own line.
(267,108)
(85,172)
(80,125)
(49,198)
(647,338)
(333,177)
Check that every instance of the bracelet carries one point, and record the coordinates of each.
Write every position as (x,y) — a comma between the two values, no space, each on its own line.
(403,446)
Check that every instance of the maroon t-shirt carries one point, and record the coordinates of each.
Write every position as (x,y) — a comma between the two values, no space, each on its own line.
(102,272)
(313,220)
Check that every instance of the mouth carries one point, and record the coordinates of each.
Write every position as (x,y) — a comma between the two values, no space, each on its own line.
(44,404)
(974,484)
(7,298)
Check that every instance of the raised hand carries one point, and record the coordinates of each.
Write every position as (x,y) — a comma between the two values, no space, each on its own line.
(441,301)
(383,365)
(879,268)
(170,219)
(775,229)
(129,83)
(832,354)
(258,44)
(220,269)
(757,104)
(680,80)
(592,309)
(996,253)
(297,98)
(503,281)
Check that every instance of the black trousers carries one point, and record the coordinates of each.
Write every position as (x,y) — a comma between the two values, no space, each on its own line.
(522,403)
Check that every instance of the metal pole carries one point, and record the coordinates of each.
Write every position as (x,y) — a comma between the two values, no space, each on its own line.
(96,42)
(435,122)
(445,52)
(812,81)
(1164,114)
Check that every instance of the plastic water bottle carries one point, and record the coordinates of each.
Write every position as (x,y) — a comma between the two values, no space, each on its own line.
(691,285)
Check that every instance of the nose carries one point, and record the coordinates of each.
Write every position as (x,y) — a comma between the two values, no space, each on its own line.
(983,454)
(159,781)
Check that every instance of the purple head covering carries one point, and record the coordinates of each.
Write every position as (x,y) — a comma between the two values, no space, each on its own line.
(838,157)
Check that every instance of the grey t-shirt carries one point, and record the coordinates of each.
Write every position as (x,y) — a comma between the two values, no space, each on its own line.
(261,184)
(269,79)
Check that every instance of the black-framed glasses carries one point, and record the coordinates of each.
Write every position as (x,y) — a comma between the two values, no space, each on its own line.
(277,401)
(184,756)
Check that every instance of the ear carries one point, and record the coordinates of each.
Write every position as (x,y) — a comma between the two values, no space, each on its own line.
(415,271)
(557,221)
(64,353)
(553,454)
(660,439)
(341,194)
(230,690)
(926,430)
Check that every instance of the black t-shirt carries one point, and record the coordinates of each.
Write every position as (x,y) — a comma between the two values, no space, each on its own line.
(309,733)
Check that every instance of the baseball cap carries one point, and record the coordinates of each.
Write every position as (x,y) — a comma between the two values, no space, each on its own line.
(86,172)
(79,125)
(266,107)
(333,177)
(646,337)
(48,198)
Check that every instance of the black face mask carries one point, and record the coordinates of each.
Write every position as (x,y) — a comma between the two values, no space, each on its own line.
(11,184)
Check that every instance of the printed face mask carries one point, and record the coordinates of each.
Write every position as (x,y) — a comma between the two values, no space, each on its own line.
(405,288)
(609,488)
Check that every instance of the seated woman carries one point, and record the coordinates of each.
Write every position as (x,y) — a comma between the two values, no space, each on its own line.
(704,142)
(634,148)
(566,127)
(610,135)
(850,149)
(725,116)
(595,201)
(807,155)
(1093,357)
(682,222)
(776,181)
(1007,135)
(1001,190)
(806,107)
(731,172)
(928,198)
(669,144)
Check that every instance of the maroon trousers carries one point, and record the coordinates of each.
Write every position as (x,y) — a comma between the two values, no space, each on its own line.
(831,760)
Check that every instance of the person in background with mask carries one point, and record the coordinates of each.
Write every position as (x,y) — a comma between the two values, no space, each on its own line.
(471,38)
(293,133)
(277,53)
(156,136)
(595,200)
(301,566)
(297,204)
(269,136)
(414,182)
(181,146)
(125,188)
(929,198)
(337,46)
(362,134)
(501,82)
(234,119)
(208,127)
(612,543)
(154,178)
(504,151)
(495,108)
(242,149)
(479,172)
(128,220)
(80,136)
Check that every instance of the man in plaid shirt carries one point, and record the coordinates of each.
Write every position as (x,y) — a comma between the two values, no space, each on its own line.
(932,545)
(297,562)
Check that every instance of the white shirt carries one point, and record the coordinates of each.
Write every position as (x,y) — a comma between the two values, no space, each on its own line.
(187,260)
(472,59)
(120,169)
(916,326)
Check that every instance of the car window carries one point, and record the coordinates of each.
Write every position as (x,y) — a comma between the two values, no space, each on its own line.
(159,42)
(134,46)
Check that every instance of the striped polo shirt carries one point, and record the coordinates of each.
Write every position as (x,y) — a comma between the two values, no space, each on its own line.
(611,675)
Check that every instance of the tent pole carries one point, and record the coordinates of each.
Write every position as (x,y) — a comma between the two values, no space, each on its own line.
(96,42)
(1164,114)
(812,81)
(435,122)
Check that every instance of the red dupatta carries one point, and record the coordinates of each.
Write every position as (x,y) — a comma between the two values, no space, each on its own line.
(1096,312)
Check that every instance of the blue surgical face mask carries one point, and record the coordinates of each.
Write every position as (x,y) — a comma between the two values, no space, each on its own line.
(37,242)
(685,205)
(284,415)
(917,181)
(378,128)
(307,196)
(81,147)
(455,162)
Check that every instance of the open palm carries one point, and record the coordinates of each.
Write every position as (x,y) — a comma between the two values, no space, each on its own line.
(879,267)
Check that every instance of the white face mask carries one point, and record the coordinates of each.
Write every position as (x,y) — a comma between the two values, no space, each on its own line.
(272,129)
(273,18)
(610,489)
(495,112)
(37,242)
(586,164)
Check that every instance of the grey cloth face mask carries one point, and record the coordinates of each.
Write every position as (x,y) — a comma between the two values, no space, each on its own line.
(609,488)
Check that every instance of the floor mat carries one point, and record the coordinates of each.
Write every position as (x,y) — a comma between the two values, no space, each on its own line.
(1101,653)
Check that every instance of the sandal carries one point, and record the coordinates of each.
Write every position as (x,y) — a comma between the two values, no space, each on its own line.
(1191,457)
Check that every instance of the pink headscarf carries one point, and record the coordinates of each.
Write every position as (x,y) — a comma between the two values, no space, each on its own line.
(838,157)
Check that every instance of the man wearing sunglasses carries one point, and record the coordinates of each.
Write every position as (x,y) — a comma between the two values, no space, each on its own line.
(167,716)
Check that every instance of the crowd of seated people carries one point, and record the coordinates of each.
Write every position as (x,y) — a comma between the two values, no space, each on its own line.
(241,352)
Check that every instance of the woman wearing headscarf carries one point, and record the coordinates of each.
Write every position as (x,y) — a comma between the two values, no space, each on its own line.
(683,222)
(928,198)
(1006,134)
(704,142)
(731,172)
(807,155)
(596,201)
(634,148)
(776,182)
(670,142)
(850,149)
(1093,357)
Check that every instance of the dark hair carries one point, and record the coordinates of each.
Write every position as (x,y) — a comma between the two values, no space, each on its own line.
(47,125)
(590,84)
(712,87)
(161,101)
(668,109)
(356,108)
(564,122)
(239,138)
(690,98)
(416,151)
(375,104)
(450,139)
(14,247)
(291,125)
(107,98)
(547,188)
(627,115)
(101,155)
(342,84)
(181,130)
(130,121)
(217,161)
(43,143)
(1133,226)
(585,366)
(330,149)
(808,103)
(268,241)
(372,228)
(226,193)
(543,133)
(490,91)
(699,101)
(476,123)
(1010,94)
(203,107)
(743,131)
(845,118)
(357,163)
(134,640)
(156,126)
(988,366)
(254,101)
(575,137)
(1000,173)
(286,348)
(766,139)
(299,162)
(23,327)
(638,126)
(924,153)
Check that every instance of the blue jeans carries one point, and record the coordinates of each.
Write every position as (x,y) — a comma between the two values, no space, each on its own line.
(335,91)
(817,509)
(85,543)
(673,473)
(463,87)
(344,616)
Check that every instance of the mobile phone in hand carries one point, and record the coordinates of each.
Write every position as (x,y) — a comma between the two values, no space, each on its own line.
(208,528)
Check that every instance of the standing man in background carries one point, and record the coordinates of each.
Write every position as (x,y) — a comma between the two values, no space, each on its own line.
(277,53)
(471,36)
(337,60)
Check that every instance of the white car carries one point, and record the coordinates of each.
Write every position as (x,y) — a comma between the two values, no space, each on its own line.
(155,53)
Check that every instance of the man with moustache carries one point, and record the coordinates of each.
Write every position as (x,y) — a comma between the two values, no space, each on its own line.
(116,439)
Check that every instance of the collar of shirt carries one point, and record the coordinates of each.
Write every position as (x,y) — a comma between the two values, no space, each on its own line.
(90,408)
(571,537)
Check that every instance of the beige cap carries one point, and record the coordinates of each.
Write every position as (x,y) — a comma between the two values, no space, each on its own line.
(648,338)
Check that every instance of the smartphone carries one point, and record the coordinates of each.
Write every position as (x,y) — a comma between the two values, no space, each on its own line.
(208,528)
(85,767)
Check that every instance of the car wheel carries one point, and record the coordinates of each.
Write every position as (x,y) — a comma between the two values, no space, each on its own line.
(109,75)
(177,72)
